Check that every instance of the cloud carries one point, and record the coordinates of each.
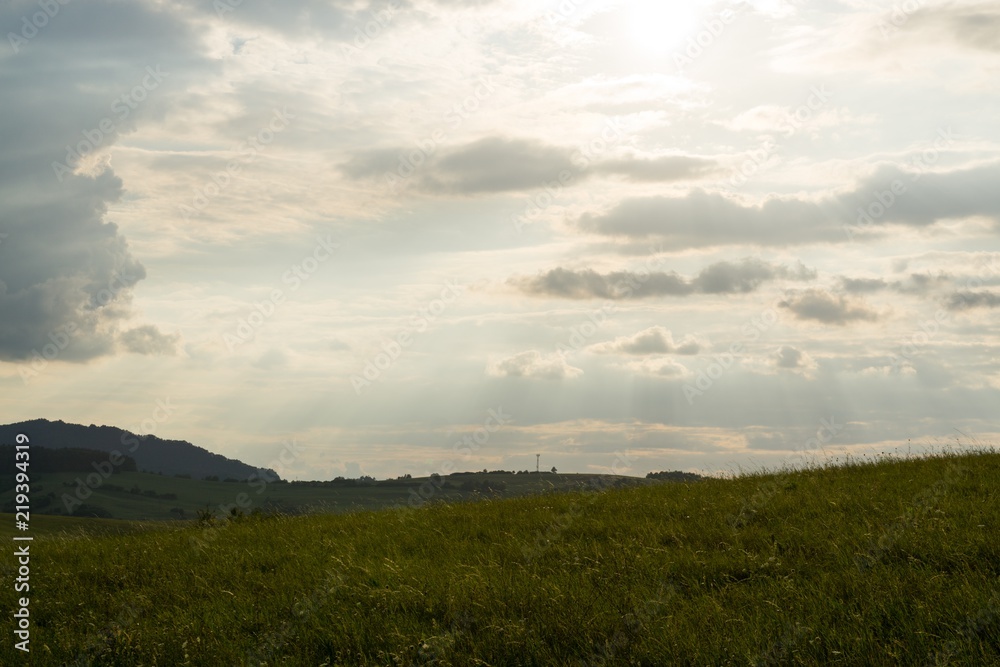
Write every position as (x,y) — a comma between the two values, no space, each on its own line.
(66,271)
(501,164)
(915,283)
(588,284)
(148,339)
(308,18)
(792,358)
(975,26)
(863,285)
(721,278)
(771,119)
(822,306)
(658,170)
(746,276)
(701,219)
(533,364)
(705,219)
(667,368)
(968,300)
(495,164)
(655,340)
(788,357)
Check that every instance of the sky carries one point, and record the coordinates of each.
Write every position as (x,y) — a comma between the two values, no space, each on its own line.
(350,237)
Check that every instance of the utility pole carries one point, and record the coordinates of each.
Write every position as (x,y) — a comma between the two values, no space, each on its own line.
(537,458)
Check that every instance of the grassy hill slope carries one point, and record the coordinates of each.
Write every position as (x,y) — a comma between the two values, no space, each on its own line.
(885,564)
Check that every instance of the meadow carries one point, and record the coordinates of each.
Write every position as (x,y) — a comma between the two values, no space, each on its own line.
(882,562)
(140,496)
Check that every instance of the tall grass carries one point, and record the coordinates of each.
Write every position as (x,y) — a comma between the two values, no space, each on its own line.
(889,563)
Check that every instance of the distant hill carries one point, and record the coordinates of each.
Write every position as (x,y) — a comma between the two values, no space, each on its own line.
(69,459)
(151,454)
(675,476)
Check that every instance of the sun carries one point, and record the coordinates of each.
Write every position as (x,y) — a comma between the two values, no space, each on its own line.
(658,27)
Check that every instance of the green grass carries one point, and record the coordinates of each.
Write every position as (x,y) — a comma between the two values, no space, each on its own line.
(884,564)
(294,498)
(42,524)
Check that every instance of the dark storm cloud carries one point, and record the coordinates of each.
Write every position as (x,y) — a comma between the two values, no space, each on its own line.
(500,164)
(721,278)
(891,195)
(90,74)
(822,306)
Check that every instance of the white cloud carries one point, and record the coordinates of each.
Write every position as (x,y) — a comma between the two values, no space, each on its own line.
(533,364)
(655,340)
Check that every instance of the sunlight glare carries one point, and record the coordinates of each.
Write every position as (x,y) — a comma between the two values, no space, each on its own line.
(659,26)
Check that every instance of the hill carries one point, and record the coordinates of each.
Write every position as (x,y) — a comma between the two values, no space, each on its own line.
(139,496)
(887,563)
(47,460)
(151,454)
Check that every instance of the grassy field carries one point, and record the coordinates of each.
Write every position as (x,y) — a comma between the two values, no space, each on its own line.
(889,563)
(71,525)
(151,501)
